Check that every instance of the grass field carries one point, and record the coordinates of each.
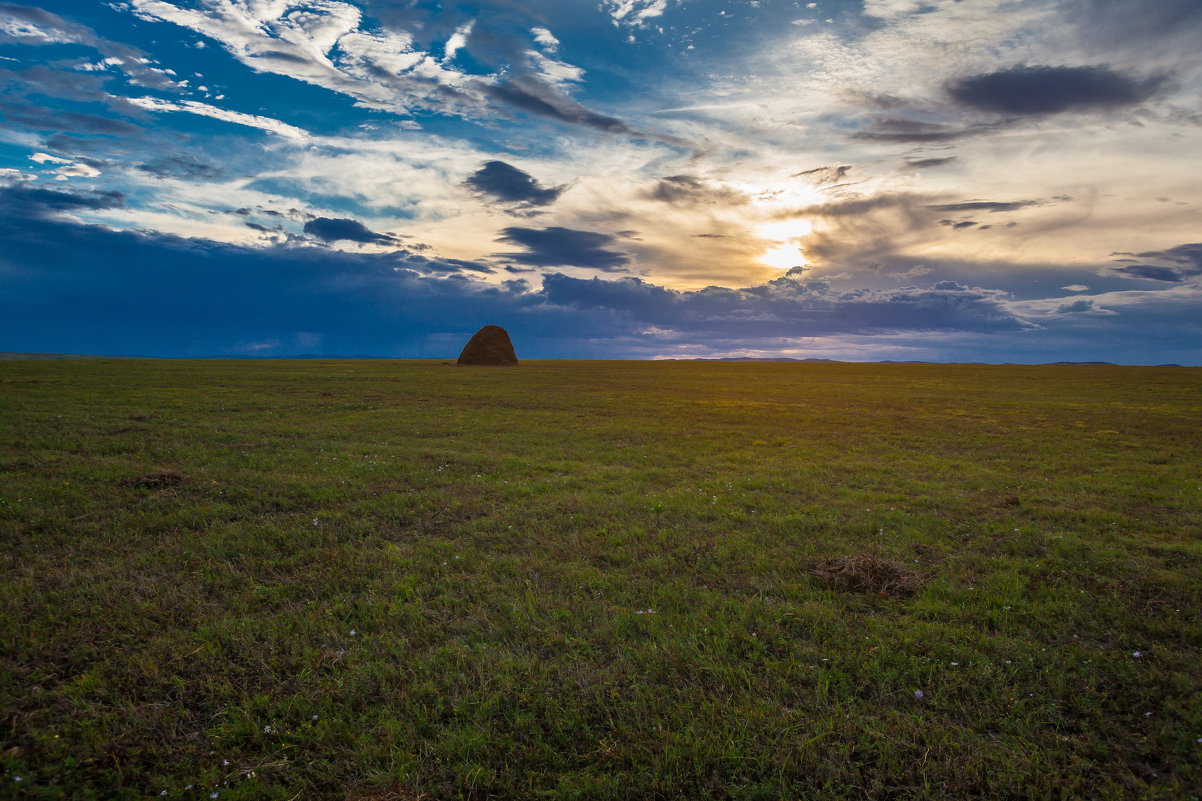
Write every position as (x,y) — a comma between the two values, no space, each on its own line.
(391,581)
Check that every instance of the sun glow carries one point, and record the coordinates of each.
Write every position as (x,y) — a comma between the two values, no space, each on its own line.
(783,257)
(785,252)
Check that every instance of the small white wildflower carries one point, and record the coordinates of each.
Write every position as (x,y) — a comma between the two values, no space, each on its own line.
(315,521)
(353,632)
(267,730)
(189,787)
(918,694)
(163,793)
(225,763)
(314,718)
(954,664)
(1136,654)
(214,795)
(18,778)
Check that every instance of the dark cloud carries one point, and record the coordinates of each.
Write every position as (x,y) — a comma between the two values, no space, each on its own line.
(40,118)
(511,185)
(1183,262)
(900,130)
(925,164)
(1024,90)
(562,247)
(820,176)
(689,190)
(1077,307)
(960,224)
(983,205)
(23,201)
(789,306)
(529,94)
(331,229)
(188,168)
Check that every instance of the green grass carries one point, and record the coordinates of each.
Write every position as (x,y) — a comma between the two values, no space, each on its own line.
(593,580)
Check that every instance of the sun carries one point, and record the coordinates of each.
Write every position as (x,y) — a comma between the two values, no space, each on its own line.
(783,257)
(785,236)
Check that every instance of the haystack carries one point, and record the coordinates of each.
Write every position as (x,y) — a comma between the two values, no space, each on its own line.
(490,345)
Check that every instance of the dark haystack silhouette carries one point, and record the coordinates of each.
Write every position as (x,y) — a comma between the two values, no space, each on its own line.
(489,345)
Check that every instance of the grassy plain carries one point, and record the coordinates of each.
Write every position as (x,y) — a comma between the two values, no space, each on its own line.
(391,581)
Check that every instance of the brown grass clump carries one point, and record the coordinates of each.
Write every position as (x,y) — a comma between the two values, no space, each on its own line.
(160,479)
(386,794)
(868,574)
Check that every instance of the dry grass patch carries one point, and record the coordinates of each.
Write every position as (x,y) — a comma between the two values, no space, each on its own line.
(387,794)
(160,479)
(868,574)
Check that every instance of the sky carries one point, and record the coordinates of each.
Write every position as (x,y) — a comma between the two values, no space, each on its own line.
(863,180)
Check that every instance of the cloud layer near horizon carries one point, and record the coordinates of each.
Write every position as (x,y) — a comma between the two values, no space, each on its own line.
(161,295)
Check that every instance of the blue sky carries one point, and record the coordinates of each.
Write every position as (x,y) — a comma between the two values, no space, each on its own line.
(971,180)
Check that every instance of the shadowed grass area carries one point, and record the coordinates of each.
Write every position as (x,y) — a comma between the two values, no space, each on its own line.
(597,580)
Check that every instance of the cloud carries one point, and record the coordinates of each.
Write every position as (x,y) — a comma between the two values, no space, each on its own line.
(327,44)
(28,202)
(331,229)
(545,38)
(185,167)
(562,247)
(508,184)
(34,26)
(1184,262)
(925,164)
(820,176)
(634,13)
(991,206)
(236,117)
(1025,90)
(1082,306)
(900,130)
(689,190)
(538,97)
(793,305)
(165,295)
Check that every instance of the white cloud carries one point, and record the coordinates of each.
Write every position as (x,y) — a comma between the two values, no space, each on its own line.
(76,171)
(46,158)
(322,43)
(555,72)
(9,176)
(545,38)
(238,118)
(10,25)
(457,40)
(634,13)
